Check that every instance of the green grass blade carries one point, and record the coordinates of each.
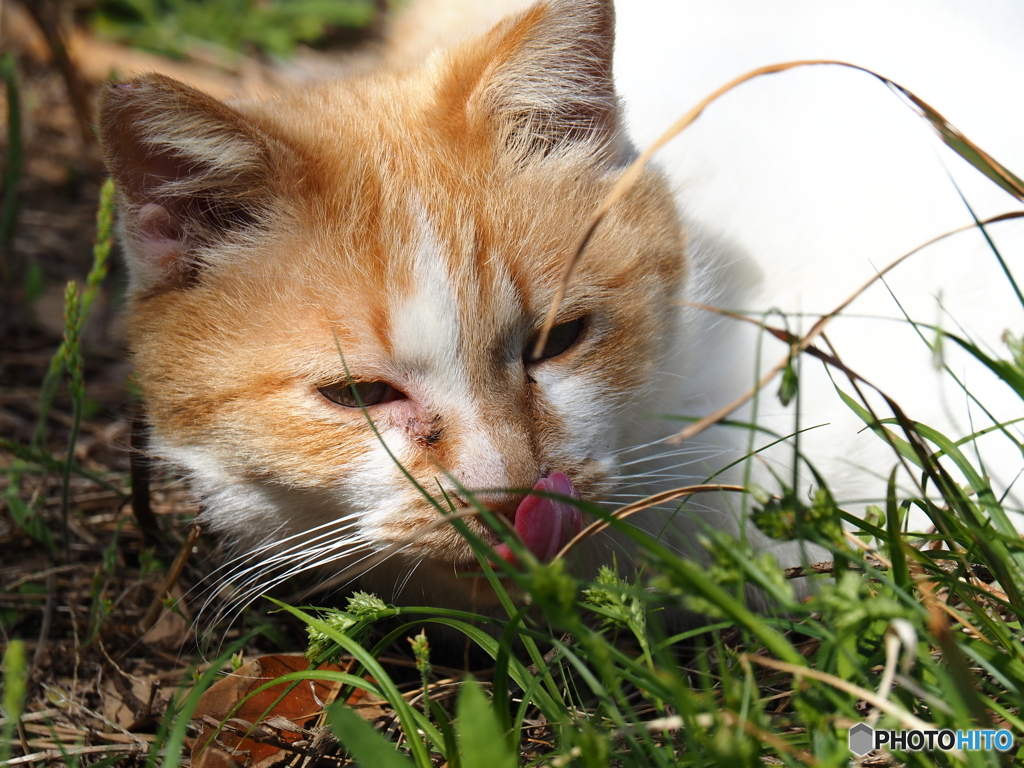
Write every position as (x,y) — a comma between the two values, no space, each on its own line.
(364,743)
(15,674)
(412,720)
(978,483)
(1004,369)
(480,736)
(900,572)
(12,173)
(903,447)
(991,244)
(963,146)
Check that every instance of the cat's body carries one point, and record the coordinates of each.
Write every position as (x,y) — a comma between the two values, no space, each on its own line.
(408,230)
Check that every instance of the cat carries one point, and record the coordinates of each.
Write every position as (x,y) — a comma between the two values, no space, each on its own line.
(407,230)
(393,242)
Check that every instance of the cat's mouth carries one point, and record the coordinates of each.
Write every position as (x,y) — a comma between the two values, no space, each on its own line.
(545,525)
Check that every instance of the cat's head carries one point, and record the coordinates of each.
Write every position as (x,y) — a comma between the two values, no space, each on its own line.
(406,232)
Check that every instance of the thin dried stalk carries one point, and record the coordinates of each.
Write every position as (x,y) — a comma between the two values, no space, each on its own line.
(949,134)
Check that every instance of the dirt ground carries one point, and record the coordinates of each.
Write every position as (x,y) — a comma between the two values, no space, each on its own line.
(87,594)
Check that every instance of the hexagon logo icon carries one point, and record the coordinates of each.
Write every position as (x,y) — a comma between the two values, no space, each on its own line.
(862,739)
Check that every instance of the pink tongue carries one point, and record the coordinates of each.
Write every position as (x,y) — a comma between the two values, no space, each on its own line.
(545,525)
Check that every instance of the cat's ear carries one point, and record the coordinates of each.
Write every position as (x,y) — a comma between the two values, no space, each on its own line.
(190,171)
(548,81)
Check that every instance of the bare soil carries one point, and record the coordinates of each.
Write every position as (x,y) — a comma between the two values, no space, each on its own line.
(107,652)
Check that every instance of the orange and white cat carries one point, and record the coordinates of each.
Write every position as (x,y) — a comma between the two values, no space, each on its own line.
(406,231)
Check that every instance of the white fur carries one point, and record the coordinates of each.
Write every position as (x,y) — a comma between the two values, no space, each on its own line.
(581,402)
(425,329)
(425,324)
(375,490)
(812,180)
(798,187)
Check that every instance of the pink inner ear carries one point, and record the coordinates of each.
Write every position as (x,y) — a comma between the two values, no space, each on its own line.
(159,237)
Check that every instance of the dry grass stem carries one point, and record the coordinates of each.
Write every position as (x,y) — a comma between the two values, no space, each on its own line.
(816,330)
(651,501)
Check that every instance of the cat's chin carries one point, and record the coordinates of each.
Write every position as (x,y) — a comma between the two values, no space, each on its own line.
(459,585)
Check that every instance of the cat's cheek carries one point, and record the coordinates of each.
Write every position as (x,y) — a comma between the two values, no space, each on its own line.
(393,512)
(373,486)
(585,429)
(242,511)
(587,409)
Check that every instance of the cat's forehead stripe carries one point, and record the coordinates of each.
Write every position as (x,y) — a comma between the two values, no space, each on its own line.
(424,321)
(427,338)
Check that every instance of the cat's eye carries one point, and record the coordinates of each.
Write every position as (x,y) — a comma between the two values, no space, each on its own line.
(369,393)
(559,341)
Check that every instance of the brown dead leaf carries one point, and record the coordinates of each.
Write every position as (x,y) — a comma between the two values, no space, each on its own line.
(263,731)
(173,627)
(125,702)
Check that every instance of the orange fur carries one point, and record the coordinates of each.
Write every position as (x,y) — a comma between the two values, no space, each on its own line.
(418,221)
